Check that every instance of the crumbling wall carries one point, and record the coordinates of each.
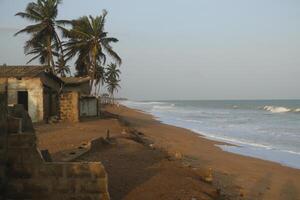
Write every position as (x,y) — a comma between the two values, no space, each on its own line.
(34,88)
(32,178)
(3,133)
(69,106)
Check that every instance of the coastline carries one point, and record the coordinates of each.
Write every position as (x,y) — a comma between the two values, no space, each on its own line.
(137,172)
(245,176)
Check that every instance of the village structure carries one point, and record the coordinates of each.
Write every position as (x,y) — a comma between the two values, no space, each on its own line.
(47,97)
(31,94)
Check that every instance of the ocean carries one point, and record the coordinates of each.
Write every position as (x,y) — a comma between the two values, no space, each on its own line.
(265,129)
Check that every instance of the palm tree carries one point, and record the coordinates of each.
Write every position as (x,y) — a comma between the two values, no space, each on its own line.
(112,86)
(99,78)
(40,51)
(61,67)
(88,40)
(112,79)
(43,32)
(112,72)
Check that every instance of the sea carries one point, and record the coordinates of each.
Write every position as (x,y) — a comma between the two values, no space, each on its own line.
(264,129)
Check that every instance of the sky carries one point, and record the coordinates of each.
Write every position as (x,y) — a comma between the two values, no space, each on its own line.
(188,49)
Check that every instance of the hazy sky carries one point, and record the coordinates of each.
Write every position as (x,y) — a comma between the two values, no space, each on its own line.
(189,49)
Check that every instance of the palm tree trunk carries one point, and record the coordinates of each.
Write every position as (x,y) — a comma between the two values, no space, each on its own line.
(94,63)
(50,59)
(99,89)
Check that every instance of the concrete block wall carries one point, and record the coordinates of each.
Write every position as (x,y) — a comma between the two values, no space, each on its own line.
(69,106)
(2,164)
(32,178)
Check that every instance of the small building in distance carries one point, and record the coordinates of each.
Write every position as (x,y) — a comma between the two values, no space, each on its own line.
(76,101)
(35,88)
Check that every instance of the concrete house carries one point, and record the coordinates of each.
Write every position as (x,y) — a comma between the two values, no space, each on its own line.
(33,87)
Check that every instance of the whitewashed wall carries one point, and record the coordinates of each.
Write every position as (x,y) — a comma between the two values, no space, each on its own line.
(34,88)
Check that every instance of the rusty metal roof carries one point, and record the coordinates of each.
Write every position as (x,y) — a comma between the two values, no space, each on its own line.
(21,71)
(75,80)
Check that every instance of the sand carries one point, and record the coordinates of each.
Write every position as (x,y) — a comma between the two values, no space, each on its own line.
(135,172)
(236,175)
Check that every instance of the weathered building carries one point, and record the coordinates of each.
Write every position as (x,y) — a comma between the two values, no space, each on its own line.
(33,87)
(76,101)
(77,84)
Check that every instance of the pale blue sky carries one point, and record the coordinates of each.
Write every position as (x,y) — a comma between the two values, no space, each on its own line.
(189,49)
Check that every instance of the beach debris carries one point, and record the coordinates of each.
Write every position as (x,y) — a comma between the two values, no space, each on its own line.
(46,155)
(53,120)
(139,137)
(123,132)
(178,155)
(152,146)
(205,174)
(107,134)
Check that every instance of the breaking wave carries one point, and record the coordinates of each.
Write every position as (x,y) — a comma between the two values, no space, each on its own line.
(279,109)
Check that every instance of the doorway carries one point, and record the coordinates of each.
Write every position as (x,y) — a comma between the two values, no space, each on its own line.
(23,99)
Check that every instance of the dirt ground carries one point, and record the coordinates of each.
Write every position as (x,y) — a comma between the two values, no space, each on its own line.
(136,171)
(139,171)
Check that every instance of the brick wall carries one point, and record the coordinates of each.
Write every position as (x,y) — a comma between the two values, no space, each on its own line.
(69,106)
(32,178)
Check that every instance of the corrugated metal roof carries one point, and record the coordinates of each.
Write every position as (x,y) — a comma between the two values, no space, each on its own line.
(21,71)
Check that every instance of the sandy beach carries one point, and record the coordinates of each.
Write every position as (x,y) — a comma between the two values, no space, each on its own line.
(155,176)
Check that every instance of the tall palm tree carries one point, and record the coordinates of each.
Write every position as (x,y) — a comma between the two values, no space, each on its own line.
(112,72)
(99,78)
(112,87)
(61,67)
(112,76)
(40,51)
(88,40)
(43,13)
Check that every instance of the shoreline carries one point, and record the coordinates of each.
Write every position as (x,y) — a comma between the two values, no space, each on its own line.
(250,177)
(283,157)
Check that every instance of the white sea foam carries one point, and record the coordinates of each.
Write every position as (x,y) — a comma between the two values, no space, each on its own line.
(244,125)
(143,103)
(163,107)
(280,109)
(274,109)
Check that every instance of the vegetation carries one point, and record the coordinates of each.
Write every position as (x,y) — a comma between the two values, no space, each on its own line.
(112,79)
(99,79)
(44,40)
(88,40)
(84,39)
(61,67)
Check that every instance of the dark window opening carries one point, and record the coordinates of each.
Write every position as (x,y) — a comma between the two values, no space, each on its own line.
(23,99)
